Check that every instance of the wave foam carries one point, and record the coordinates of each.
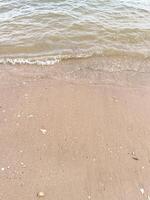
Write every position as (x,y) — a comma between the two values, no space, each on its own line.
(51,60)
(24,61)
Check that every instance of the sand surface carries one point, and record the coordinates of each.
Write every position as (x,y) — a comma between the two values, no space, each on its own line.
(73,141)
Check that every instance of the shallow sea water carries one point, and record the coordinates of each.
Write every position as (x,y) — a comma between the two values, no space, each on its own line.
(49,31)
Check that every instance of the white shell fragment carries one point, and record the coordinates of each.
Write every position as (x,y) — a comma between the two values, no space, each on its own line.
(44,131)
(22,164)
(40,194)
(142,190)
(29,116)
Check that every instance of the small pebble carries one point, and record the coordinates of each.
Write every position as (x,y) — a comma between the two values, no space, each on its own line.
(40,194)
(135,158)
(2,168)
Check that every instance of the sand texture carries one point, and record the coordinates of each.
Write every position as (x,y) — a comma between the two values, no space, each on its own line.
(73,141)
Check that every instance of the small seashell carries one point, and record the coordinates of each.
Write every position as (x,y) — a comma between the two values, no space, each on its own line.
(44,131)
(22,164)
(40,194)
(29,116)
(142,190)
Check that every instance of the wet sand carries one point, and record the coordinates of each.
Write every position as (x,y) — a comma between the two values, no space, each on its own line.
(73,141)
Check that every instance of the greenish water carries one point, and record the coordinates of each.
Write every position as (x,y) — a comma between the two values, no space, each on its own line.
(48,31)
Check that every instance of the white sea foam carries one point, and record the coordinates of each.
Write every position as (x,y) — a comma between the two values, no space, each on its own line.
(48,60)
(24,61)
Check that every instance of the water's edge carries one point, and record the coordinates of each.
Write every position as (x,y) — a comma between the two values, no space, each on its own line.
(93,70)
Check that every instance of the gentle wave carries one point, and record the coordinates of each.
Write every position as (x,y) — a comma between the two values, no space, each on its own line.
(51,60)
(25,61)
(72,29)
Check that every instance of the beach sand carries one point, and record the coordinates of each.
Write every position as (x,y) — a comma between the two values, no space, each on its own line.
(73,141)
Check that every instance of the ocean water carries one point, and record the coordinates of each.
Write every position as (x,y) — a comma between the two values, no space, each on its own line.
(49,31)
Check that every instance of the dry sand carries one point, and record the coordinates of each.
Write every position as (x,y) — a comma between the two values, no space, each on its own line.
(73,141)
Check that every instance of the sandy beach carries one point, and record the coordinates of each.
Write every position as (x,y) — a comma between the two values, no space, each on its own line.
(73,141)
(74,100)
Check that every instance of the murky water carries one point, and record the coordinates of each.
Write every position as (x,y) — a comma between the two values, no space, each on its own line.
(47,31)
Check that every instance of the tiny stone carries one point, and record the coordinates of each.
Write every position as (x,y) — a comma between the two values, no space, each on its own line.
(135,158)
(2,168)
(89,197)
(40,194)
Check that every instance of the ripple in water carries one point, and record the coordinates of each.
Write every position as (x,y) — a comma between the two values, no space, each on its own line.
(45,32)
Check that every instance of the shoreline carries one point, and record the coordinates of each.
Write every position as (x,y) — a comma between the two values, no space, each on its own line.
(72,141)
(108,70)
